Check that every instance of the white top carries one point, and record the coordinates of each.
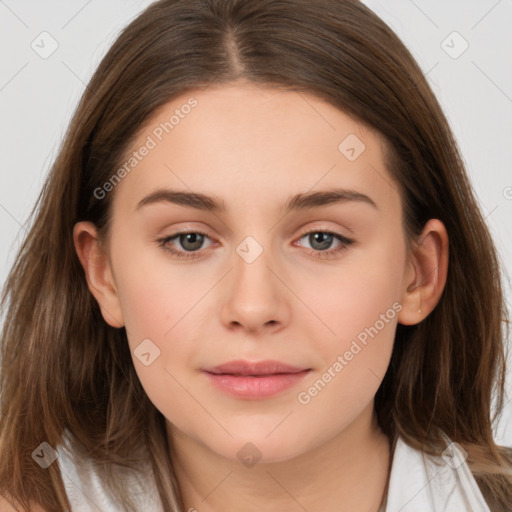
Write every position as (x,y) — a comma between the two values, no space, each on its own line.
(418,483)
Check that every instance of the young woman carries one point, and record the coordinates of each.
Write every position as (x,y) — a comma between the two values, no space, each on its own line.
(257,279)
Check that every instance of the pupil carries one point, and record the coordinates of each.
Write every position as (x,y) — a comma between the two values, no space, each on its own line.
(323,244)
(194,238)
(323,240)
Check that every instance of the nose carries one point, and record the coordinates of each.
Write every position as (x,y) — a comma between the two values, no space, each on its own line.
(255,298)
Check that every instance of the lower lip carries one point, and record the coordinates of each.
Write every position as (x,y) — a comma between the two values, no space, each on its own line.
(255,388)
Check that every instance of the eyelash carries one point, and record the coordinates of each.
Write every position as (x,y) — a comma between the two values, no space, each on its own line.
(346,242)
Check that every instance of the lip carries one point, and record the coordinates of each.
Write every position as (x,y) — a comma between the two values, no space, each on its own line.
(254,368)
(255,380)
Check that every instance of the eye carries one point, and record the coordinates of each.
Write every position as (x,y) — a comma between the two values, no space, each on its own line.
(191,241)
(320,241)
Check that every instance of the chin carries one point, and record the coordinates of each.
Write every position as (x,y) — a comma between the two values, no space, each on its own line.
(260,447)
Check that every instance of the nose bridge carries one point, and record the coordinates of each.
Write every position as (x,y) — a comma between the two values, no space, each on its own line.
(252,262)
(256,297)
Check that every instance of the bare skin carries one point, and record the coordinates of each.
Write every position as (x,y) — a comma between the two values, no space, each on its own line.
(8,505)
(254,148)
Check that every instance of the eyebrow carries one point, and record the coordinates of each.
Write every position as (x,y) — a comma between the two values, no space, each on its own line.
(298,202)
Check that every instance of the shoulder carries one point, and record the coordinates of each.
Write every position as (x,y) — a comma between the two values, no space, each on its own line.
(82,476)
(424,483)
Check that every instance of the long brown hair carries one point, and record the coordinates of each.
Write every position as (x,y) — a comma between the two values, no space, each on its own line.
(65,369)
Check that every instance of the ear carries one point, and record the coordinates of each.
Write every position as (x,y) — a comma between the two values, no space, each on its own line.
(426,273)
(98,273)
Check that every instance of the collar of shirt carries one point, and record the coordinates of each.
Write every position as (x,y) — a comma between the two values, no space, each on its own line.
(417,483)
(425,483)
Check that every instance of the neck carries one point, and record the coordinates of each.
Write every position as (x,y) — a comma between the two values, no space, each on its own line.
(349,473)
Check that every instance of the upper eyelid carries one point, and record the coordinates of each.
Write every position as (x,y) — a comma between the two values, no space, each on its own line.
(344,241)
(321,230)
(302,235)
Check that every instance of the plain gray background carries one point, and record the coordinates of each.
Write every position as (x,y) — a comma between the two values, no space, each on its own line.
(464,48)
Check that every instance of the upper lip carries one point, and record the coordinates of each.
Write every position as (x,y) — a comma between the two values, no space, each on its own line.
(267,367)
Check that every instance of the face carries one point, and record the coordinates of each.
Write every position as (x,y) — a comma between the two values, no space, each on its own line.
(279,271)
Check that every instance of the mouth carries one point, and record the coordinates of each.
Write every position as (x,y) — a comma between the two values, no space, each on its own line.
(255,380)
(255,368)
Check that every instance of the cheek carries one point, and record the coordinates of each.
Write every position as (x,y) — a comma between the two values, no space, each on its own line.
(358,304)
(354,361)
(334,398)
(146,305)
(154,292)
(363,291)
(161,304)
(156,321)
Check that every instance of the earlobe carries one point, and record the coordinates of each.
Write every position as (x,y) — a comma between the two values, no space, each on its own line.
(98,273)
(425,278)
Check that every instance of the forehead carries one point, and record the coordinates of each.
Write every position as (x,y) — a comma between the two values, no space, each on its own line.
(253,144)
